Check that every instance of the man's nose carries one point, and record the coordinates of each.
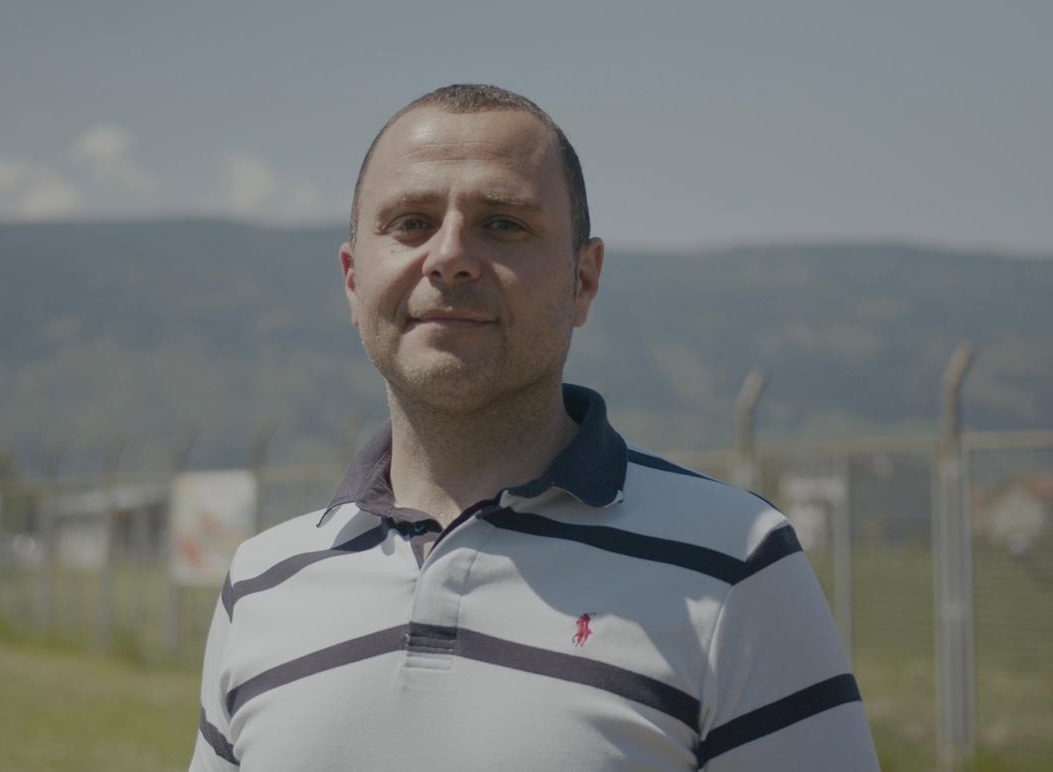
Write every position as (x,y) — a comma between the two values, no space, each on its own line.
(451,256)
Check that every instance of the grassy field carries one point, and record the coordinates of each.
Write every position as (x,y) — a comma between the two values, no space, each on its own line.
(894,658)
(65,711)
(62,709)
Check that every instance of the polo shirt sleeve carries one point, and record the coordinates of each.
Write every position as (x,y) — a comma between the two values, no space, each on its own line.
(213,751)
(782,693)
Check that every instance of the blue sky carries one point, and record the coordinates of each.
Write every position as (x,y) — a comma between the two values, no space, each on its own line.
(699,124)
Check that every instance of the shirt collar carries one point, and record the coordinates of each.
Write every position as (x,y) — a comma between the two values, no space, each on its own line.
(591,468)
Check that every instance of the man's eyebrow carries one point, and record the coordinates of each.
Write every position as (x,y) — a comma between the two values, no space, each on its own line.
(387,207)
(492,200)
(511,201)
(407,199)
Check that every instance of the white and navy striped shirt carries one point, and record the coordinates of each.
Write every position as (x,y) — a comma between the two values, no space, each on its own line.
(618,613)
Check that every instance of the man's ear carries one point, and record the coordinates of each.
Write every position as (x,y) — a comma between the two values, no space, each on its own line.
(347,263)
(590,266)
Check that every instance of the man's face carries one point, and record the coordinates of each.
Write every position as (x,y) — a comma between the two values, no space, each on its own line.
(462,279)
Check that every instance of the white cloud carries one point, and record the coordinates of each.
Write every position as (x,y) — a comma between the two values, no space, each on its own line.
(106,150)
(32,192)
(304,200)
(247,182)
(49,198)
(13,174)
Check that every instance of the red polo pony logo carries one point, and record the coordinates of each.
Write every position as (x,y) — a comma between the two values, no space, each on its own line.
(584,631)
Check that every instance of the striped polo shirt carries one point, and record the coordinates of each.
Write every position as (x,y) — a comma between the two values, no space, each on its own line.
(617,613)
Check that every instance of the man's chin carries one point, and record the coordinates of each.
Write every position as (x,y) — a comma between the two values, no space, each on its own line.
(452,382)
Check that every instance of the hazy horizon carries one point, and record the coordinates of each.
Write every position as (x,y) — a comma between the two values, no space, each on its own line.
(699,125)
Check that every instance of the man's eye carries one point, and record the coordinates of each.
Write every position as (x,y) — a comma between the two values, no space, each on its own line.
(504,224)
(411,224)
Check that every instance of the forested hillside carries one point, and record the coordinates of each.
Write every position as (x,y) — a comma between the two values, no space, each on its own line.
(135,333)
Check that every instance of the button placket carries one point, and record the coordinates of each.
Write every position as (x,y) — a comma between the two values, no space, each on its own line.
(440,588)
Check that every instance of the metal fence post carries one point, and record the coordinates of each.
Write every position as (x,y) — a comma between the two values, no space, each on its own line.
(108,579)
(952,544)
(173,591)
(258,459)
(45,611)
(745,473)
(842,539)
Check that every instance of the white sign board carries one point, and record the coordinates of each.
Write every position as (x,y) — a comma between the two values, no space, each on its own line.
(211,514)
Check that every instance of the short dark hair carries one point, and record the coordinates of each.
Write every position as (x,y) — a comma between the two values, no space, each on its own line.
(479,98)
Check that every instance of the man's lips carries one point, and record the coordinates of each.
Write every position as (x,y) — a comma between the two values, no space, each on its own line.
(451,318)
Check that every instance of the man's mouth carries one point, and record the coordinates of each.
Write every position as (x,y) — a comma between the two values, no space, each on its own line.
(451,318)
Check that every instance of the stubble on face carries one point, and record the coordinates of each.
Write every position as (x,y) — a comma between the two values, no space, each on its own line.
(516,362)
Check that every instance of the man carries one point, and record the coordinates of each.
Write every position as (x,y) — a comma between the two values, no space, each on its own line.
(499,581)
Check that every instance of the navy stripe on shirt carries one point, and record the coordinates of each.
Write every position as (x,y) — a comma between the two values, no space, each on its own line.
(292,565)
(469,644)
(215,738)
(581,670)
(778,544)
(343,653)
(777,715)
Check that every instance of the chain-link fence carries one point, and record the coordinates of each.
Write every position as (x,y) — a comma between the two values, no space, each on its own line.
(1011,506)
(868,514)
(90,561)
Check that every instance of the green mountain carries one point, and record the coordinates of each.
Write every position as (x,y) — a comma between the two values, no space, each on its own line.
(132,334)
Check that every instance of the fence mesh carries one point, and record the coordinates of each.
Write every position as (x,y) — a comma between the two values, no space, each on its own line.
(864,515)
(1013,601)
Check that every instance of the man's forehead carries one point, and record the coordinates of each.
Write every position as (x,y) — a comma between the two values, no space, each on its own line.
(499,149)
(433,132)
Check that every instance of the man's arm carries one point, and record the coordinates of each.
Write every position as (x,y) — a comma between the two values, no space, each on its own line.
(213,751)
(782,692)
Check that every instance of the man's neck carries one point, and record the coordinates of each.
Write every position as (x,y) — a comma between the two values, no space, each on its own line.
(444,462)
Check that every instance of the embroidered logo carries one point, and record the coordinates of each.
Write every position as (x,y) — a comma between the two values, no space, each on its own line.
(584,631)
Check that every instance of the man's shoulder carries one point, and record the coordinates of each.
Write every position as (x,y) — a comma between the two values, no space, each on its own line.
(269,547)
(679,503)
(655,475)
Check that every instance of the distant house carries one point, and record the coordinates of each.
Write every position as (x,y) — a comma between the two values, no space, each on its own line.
(810,503)
(1015,515)
(140,515)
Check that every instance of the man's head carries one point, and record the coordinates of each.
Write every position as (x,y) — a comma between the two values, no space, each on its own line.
(474,98)
(463,277)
